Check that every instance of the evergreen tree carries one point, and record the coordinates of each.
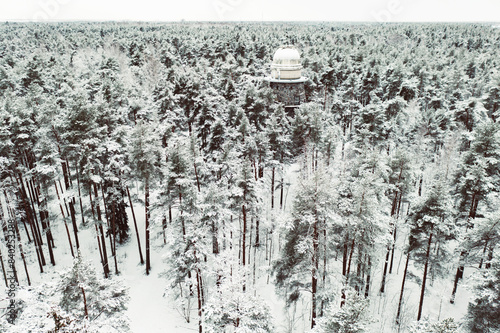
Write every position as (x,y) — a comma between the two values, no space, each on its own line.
(483,310)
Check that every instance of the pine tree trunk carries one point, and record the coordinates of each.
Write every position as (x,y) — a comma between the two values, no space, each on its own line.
(368,277)
(135,226)
(386,263)
(281,192)
(110,231)
(424,279)
(73,221)
(402,289)
(29,216)
(272,188)
(257,233)
(3,270)
(458,276)
(71,203)
(85,309)
(105,265)
(44,216)
(64,220)
(393,245)
(243,240)
(484,253)
(79,193)
(146,207)
(24,263)
(113,228)
(314,277)
(490,257)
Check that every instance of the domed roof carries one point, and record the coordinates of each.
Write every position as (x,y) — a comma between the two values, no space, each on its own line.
(286,63)
(286,55)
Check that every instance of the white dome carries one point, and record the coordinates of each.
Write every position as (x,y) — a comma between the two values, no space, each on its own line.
(286,63)
(286,53)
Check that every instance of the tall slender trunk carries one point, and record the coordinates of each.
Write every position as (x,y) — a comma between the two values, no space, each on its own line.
(368,277)
(79,193)
(281,192)
(38,248)
(135,226)
(21,252)
(314,277)
(64,220)
(402,289)
(85,308)
(3,270)
(113,228)
(424,279)
(67,183)
(243,241)
(105,265)
(110,231)
(257,233)
(199,293)
(272,187)
(384,274)
(44,217)
(146,207)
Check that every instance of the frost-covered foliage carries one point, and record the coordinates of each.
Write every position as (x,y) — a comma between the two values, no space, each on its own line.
(484,310)
(77,301)
(350,318)
(232,310)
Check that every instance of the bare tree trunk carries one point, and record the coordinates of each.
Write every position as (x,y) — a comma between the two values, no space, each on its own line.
(85,309)
(3,270)
(79,193)
(257,233)
(314,282)
(281,192)
(368,277)
(243,241)
(199,294)
(24,263)
(105,265)
(64,220)
(384,274)
(146,207)
(113,228)
(402,289)
(272,188)
(38,248)
(44,216)
(422,292)
(135,226)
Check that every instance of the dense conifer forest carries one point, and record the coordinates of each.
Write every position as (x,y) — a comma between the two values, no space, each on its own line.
(159,151)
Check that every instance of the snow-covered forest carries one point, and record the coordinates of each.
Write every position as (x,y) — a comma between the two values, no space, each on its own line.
(150,182)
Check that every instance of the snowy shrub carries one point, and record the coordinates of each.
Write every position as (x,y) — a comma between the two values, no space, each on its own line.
(350,318)
(78,301)
(232,310)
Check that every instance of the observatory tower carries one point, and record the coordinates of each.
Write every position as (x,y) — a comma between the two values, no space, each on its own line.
(286,78)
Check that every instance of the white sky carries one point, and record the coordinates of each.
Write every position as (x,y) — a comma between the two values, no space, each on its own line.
(252,10)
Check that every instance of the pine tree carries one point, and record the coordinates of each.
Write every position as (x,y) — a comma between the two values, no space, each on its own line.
(431,225)
(482,313)
(300,256)
(145,154)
